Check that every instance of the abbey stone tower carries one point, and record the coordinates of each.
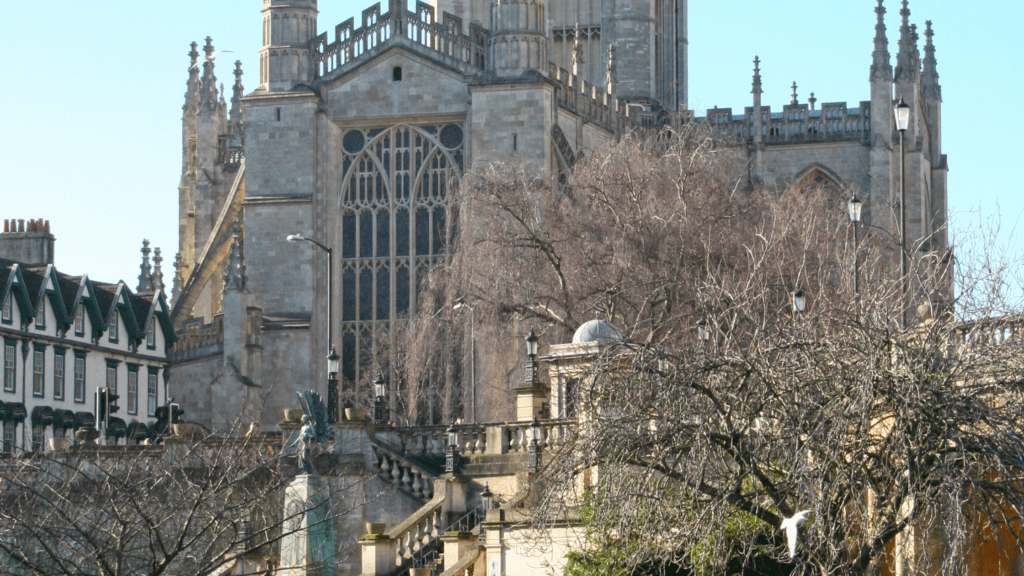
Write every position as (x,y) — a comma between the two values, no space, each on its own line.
(354,136)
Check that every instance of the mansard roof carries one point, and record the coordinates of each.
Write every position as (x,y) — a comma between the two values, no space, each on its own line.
(32,284)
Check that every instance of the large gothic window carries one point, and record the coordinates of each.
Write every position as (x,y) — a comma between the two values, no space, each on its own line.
(396,218)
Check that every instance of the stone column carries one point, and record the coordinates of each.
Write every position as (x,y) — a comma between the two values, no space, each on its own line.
(308,547)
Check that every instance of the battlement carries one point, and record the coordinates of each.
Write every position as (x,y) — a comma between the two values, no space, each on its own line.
(464,52)
(593,104)
(834,122)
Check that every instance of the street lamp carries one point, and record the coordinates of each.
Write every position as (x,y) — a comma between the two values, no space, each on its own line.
(458,307)
(452,452)
(531,357)
(799,300)
(380,389)
(332,385)
(855,207)
(330,311)
(902,112)
(487,498)
(534,433)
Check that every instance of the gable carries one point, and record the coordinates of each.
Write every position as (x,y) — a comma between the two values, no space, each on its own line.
(86,296)
(50,289)
(16,287)
(370,91)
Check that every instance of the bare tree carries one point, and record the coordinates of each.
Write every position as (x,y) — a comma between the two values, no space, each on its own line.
(726,410)
(197,507)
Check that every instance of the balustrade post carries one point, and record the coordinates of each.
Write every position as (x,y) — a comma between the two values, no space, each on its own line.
(378,554)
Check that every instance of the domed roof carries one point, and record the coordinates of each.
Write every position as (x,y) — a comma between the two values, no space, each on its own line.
(597,331)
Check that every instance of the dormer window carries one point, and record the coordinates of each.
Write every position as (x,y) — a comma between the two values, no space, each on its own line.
(112,330)
(80,320)
(151,335)
(41,317)
(8,309)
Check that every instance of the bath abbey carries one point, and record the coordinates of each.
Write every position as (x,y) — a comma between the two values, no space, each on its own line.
(354,137)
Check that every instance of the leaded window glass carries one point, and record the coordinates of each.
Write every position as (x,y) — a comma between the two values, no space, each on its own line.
(395,223)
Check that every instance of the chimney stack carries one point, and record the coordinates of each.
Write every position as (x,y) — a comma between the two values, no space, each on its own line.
(27,241)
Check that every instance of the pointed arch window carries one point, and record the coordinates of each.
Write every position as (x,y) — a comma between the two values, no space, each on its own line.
(396,218)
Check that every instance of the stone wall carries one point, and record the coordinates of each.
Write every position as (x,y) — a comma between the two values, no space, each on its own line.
(512,122)
(280,145)
(373,93)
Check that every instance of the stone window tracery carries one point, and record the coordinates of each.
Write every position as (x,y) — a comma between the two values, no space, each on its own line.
(396,219)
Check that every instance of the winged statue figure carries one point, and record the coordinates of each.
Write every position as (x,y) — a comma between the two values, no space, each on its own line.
(315,428)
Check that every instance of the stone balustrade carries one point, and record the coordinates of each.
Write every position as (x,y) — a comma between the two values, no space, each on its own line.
(196,339)
(418,532)
(413,479)
(430,442)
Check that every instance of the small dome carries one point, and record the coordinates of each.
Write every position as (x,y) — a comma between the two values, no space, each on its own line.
(597,331)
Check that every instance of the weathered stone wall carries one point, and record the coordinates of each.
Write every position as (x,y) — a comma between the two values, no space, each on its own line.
(781,165)
(372,93)
(190,385)
(279,272)
(286,370)
(280,145)
(512,122)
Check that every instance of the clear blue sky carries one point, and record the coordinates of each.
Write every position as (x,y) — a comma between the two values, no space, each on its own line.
(93,94)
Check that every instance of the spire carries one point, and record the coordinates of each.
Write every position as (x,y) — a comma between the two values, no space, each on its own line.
(812,100)
(236,101)
(192,90)
(881,68)
(223,103)
(794,101)
(905,70)
(612,78)
(234,276)
(158,275)
(145,275)
(577,52)
(757,91)
(930,75)
(179,283)
(208,90)
(757,112)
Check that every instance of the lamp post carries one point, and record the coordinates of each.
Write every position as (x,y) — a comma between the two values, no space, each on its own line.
(902,112)
(531,357)
(459,306)
(452,450)
(534,431)
(855,207)
(333,412)
(487,498)
(380,389)
(332,386)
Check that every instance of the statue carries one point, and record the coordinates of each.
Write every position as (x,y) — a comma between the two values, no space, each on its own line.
(315,429)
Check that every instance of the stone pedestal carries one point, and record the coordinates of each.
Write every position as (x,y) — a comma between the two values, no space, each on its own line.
(307,544)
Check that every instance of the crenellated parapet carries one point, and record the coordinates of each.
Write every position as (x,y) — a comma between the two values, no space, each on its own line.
(419,28)
(834,122)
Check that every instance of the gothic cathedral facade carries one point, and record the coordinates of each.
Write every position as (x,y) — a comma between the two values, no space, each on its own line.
(355,138)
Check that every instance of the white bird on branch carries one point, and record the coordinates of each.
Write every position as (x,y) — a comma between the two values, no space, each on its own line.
(209,58)
(792,529)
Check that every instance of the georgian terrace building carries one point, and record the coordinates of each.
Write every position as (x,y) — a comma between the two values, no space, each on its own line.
(63,337)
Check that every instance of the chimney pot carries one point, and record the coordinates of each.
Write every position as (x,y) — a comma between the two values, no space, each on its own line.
(7,226)
(46,227)
(21,224)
